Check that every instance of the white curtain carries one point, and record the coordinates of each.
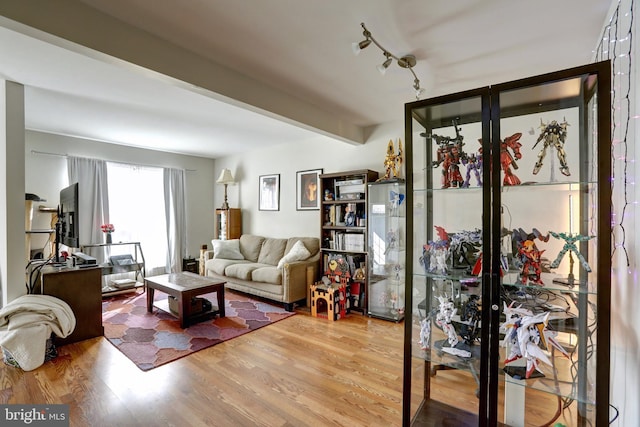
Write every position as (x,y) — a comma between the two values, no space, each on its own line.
(175,215)
(93,194)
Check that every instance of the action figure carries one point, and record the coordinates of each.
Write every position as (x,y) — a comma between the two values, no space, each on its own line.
(470,317)
(443,320)
(554,134)
(465,247)
(473,163)
(449,155)
(425,333)
(527,335)
(435,253)
(393,162)
(507,160)
(570,246)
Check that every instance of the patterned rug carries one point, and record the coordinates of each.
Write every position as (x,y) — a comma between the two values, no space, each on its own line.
(154,339)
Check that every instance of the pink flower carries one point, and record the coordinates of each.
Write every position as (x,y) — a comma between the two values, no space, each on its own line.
(107,228)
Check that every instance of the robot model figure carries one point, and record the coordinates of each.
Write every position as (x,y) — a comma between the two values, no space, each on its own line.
(435,253)
(527,336)
(425,333)
(570,246)
(473,163)
(508,160)
(553,135)
(470,317)
(444,318)
(528,256)
(465,248)
(392,162)
(449,155)
(510,143)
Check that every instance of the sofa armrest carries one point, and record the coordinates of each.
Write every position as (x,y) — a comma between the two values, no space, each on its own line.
(208,255)
(297,276)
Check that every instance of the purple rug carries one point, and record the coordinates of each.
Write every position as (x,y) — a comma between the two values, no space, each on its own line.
(153,339)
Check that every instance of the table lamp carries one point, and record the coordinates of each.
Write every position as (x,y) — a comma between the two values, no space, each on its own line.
(225,178)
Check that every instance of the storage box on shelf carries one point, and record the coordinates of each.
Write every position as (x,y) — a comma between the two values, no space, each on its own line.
(343,230)
(508,267)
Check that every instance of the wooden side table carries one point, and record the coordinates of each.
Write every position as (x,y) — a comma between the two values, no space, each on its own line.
(190,265)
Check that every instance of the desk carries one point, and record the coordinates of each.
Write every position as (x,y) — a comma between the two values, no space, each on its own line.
(81,288)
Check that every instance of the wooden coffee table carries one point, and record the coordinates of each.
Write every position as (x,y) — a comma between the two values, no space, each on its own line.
(184,286)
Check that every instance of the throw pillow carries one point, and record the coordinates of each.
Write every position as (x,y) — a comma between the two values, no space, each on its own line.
(297,253)
(227,249)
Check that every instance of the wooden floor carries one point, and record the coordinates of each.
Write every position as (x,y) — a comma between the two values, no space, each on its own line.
(301,371)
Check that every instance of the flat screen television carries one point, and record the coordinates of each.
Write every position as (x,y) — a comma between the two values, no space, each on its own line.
(69,216)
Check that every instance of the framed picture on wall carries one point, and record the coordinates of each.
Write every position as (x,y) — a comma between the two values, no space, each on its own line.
(308,190)
(269,192)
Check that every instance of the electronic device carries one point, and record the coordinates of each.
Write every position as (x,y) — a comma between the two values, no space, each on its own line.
(81,258)
(68,213)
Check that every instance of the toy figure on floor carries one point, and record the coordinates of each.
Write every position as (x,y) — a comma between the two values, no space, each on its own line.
(449,155)
(473,163)
(527,336)
(552,135)
(570,246)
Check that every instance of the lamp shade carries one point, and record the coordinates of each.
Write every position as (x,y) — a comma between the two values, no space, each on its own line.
(225,177)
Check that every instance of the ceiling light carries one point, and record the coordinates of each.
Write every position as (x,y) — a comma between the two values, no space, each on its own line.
(406,61)
(383,67)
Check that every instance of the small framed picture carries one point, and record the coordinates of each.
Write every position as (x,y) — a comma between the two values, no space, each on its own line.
(269,193)
(308,190)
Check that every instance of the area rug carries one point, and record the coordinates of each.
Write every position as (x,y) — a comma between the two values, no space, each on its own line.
(154,339)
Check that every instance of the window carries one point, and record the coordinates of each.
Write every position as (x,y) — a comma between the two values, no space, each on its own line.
(136,208)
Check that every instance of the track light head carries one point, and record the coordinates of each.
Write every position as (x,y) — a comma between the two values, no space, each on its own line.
(383,67)
(357,47)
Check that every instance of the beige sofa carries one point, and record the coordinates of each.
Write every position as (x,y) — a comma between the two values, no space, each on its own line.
(272,268)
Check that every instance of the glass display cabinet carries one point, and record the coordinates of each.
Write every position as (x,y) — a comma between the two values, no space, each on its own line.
(386,239)
(508,253)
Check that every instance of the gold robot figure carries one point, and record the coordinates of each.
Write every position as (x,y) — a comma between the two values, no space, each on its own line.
(554,134)
(393,162)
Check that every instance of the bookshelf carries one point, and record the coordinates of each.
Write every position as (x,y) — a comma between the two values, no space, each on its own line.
(343,229)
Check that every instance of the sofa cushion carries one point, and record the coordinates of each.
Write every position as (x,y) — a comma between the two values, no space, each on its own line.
(298,252)
(268,274)
(272,250)
(227,249)
(250,246)
(219,266)
(241,271)
(311,243)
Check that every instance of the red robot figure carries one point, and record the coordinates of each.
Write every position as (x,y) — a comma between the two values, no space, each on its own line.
(507,160)
(449,155)
(531,257)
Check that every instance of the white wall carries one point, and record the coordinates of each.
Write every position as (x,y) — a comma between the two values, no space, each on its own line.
(286,160)
(46,175)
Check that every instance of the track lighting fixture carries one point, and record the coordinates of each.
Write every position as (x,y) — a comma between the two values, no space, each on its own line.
(406,61)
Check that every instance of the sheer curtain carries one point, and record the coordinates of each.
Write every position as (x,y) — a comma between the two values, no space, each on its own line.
(175,215)
(136,200)
(93,190)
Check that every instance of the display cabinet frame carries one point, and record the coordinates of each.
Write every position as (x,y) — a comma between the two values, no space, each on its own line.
(488,114)
(386,214)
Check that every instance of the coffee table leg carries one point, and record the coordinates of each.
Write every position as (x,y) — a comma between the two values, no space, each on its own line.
(220,295)
(150,292)
(183,310)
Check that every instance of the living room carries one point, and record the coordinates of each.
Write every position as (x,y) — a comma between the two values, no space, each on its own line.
(45,174)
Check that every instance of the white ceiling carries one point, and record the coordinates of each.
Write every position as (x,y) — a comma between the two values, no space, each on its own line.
(300,49)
